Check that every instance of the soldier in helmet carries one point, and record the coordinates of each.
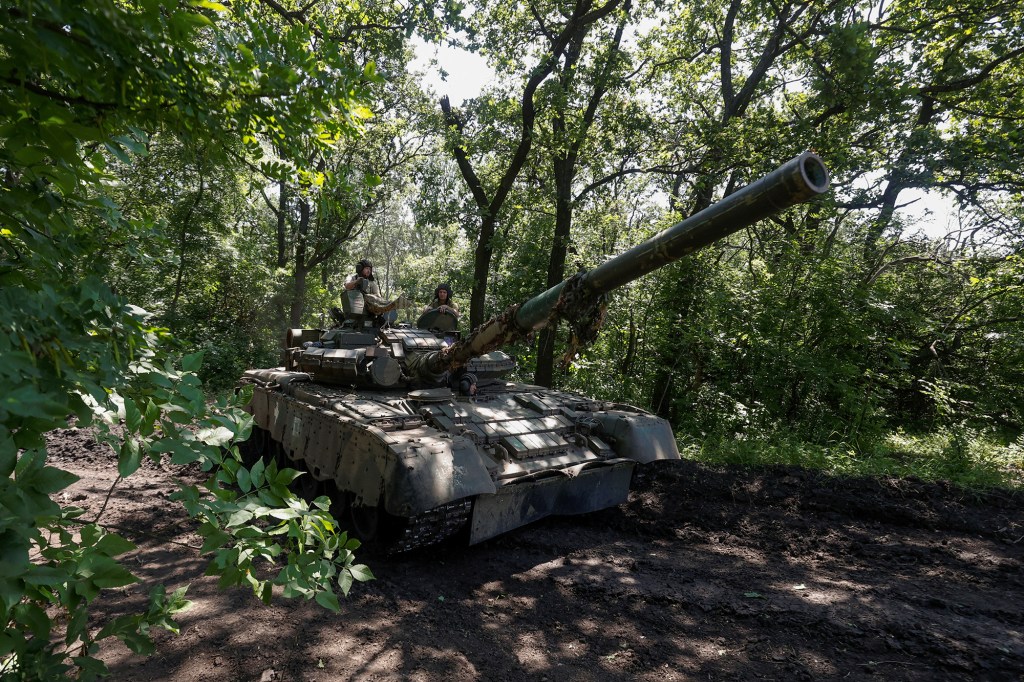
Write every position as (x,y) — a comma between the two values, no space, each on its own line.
(443,301)
(363,282)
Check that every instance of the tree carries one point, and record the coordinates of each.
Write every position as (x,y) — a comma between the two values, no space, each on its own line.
(550,40)
(318,223)
(574,108)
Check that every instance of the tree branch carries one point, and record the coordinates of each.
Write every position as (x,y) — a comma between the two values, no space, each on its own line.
(965,83)
(900,261)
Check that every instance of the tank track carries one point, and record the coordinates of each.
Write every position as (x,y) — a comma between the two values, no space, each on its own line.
(432,526)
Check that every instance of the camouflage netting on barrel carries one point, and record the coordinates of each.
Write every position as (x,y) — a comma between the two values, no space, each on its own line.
(583,310)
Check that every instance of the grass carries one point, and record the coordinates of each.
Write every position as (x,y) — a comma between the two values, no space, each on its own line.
(965,457)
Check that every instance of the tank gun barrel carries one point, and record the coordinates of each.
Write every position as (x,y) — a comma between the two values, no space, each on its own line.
(796,181)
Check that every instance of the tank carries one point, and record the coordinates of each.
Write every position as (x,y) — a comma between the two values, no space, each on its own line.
(415,433)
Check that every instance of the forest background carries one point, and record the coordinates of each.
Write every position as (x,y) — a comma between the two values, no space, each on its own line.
(189,180)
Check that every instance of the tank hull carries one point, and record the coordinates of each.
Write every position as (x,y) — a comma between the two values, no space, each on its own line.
(510,455)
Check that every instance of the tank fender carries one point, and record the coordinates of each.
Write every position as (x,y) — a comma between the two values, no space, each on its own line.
(259,408)
(326,444)
(414,469)
(427,469)
(638,436)
(269,377)
(361,461)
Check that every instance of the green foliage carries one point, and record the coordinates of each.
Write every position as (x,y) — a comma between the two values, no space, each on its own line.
(834,324)
(973,459)
(84,88)
(262,521)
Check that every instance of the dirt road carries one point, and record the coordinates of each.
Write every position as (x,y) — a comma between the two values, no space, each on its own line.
(706,573)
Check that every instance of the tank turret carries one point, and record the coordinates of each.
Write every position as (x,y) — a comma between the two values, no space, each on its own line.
(415,435)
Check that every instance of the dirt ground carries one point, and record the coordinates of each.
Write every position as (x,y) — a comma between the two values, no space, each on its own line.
(710,573)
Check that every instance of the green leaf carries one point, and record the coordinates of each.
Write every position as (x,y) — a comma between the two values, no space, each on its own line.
(361,573)
(152,414)
(345,582)
(286,476)
(208,4)
(285,514)
(8,453)
(33,617)
(328,600)
(132,414)
(138,642)
(244,482)
(193,362)
(197,19)
(256,473)
(129,458)
(76,625)
(112,545)
(50,480)
(104,572)
(238,518)
(118,152)
(183,453)
(47,575)
(214,540)
(217,436)
(177,603)
(90,668)
(28,401)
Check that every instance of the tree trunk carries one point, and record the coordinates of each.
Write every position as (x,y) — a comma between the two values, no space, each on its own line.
(301,269)
(564,173)
(481,267)
(298,297)
(282,225)
(576,26)
(680,300)
(172,315)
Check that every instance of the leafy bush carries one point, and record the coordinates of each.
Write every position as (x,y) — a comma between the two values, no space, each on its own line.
(95,82)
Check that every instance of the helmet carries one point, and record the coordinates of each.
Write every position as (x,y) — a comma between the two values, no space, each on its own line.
(446,287)
(364,263)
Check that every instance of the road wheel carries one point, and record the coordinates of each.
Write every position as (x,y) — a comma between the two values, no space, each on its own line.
(366,521)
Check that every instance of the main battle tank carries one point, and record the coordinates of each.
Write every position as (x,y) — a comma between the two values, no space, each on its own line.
(416,435)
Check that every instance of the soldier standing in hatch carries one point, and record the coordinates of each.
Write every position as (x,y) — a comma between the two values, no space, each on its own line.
(443,301)
(364,282)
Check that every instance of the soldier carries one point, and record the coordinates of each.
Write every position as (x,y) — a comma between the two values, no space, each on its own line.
(363,282)
(443,301)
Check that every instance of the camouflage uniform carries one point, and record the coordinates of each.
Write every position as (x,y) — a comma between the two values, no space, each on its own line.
(436,303)
(374,303)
